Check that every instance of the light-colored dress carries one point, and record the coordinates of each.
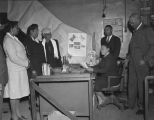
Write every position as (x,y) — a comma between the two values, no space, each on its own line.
(16,59)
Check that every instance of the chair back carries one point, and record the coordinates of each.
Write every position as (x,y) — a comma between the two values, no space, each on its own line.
(118,80)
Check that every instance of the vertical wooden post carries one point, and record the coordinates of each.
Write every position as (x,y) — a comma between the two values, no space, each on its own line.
(146,95)
(33,101)
(90,90)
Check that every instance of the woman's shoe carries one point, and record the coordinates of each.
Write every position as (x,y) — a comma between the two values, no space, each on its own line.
(104,103)
(22,118)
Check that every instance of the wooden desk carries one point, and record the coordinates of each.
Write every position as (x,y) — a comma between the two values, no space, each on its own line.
(146,96)
(73,91)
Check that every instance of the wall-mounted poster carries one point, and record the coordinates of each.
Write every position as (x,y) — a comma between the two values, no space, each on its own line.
(77,44)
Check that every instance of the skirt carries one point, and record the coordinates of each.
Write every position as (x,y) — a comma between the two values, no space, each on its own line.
(18,85)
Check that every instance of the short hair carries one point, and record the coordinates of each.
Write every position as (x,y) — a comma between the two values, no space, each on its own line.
(31,28)
(11,25)
(106,45)
(109,26)
(136,15)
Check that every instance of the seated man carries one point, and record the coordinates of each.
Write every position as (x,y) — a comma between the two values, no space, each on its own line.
(106,67)
(51,49)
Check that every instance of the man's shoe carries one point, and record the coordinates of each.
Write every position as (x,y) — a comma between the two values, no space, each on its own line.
(140,112)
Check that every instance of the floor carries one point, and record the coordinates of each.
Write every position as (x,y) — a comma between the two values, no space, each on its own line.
(109,112)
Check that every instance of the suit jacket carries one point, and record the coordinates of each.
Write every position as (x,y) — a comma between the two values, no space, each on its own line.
(55,62)
(3,67)
(114,44)
(141,45)
(106,67)
(16,57)
(36,56)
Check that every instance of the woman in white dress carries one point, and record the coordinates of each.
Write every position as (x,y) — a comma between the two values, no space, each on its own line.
(17,63)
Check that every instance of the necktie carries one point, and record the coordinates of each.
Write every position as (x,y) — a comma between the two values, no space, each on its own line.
(108,40)
(49,51)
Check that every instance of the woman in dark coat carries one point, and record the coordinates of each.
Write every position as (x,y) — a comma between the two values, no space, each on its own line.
(35,50)
(106,67)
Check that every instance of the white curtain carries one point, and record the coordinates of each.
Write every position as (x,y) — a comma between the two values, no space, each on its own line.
(29,12)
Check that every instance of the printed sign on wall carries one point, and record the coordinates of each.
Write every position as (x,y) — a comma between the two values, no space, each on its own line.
(77,44)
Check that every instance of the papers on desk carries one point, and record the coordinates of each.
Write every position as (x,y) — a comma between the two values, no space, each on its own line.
(91,58)
(77,70)
(84,65)
(69,69)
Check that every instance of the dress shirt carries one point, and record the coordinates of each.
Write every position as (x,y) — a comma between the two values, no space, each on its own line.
(108,38)
(139,26)
(54,47)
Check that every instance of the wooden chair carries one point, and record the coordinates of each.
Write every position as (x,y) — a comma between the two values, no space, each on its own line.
(119,87)
(148,81)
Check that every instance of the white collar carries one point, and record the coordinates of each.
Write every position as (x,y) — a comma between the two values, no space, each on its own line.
(44,40)
(36,40)
(106,54)
(139,26)
(15,38)
(110,36)
(54,46)
(10,35)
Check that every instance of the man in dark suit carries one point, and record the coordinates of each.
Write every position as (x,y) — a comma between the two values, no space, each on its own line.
(106,67)
(141,50)
(51,49)
(3,77)
(112,40)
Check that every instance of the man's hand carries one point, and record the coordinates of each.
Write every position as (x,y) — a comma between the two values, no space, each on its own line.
(142,62)
(89,69)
